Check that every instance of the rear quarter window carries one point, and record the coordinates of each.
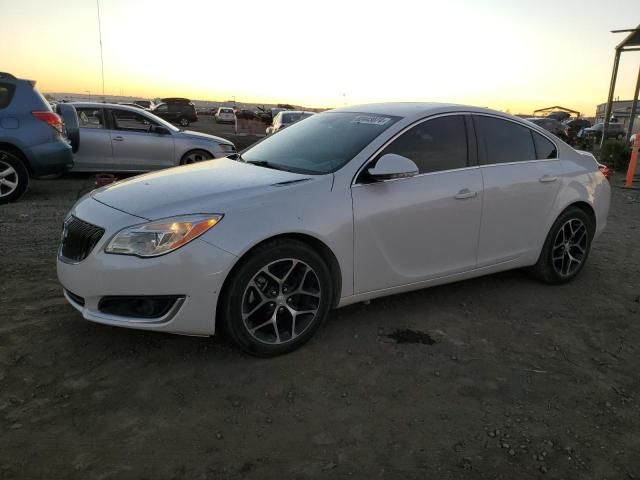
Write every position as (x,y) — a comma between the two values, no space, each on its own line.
(545,149)
(6,94)
(503,141)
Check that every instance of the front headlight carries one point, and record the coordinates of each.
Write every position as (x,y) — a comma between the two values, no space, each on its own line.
(161,236)
(226,148)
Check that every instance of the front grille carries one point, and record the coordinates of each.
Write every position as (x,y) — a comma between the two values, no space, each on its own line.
(78,239)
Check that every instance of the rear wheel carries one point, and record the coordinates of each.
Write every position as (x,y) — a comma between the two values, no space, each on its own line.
(277,298)
(566,248)
(14,177)
(184,122)
(195,156)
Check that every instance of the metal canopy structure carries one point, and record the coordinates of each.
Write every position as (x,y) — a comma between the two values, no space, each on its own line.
(630,44)
(556,108)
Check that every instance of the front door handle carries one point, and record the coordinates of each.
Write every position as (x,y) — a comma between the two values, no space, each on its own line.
(547,178)
(465,193)
(118,139)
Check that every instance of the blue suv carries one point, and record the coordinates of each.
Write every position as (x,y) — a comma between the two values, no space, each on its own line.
(34,140)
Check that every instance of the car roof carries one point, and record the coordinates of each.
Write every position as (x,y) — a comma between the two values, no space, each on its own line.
(296,111)
(417,110)
(106,105)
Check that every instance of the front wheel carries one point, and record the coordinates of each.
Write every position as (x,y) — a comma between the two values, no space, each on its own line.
(566,248)
(277,298)
(14,177)
(195,156)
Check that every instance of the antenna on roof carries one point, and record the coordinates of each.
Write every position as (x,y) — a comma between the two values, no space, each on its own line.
(101,56)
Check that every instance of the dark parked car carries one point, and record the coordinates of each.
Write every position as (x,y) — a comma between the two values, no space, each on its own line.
(551,125)
(614,130)
(176,110)
(574,126)
(34,140)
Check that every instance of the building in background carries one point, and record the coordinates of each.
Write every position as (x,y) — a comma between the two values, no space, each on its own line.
(620,112)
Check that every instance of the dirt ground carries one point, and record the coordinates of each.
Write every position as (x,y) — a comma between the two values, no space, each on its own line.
(521,381)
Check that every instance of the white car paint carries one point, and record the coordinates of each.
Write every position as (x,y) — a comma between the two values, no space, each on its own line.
(387,237)
(225,114)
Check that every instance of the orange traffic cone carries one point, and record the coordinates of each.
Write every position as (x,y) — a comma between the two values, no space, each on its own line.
(633,172)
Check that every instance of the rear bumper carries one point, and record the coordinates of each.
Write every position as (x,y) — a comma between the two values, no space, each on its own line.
(50,158)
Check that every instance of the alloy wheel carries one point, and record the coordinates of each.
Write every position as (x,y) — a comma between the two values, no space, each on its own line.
(195,157)
(570,247)
(281,301)
(8,179)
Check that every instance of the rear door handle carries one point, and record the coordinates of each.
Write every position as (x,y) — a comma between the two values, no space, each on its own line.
(465,193)
(118,139)
(547,178)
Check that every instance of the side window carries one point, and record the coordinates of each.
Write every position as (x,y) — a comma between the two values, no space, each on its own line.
(544,148)
(503,141)
(434,145)
(6,94)
(162,108)
(130,121)
(90,117)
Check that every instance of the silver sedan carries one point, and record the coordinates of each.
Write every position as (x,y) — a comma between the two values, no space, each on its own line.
(120,138)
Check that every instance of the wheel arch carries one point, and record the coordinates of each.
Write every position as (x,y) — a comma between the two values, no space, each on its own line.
(587,208)
(318,245)
(18,153)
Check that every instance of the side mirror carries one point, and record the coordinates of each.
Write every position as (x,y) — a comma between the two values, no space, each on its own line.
(159,130)
(393,166)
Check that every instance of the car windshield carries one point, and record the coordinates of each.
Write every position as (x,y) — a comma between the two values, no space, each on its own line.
(321,144)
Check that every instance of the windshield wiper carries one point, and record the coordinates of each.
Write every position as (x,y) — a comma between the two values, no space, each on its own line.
(274,166)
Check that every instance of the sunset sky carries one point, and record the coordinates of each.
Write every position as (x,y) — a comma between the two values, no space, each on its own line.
(504,54)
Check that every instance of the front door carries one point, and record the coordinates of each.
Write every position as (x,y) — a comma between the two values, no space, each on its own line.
(415,229)
(135,146)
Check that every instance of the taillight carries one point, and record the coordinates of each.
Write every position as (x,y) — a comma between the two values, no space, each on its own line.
(606,171)
(52,119)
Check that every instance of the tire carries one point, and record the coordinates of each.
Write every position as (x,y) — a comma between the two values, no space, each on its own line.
(195,156)
(183,121)
(71,125)
(14,177)
(297,280)
(568,242)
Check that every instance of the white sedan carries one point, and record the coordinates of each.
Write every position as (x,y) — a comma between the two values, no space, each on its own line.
(349,205)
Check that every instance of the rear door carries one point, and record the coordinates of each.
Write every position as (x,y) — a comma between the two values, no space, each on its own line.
(413,229)
(521,175)
(95,152)
(135,147)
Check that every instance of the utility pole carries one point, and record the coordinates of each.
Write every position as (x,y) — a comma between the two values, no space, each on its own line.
(101,55)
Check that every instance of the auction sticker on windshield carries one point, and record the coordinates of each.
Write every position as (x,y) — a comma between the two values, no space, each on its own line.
(369,120)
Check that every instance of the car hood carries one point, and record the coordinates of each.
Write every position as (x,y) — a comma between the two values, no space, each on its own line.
(213,186)
(202,136)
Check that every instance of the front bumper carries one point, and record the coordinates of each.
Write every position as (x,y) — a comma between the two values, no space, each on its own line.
(195,272)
